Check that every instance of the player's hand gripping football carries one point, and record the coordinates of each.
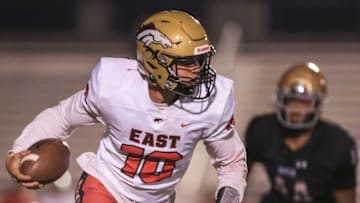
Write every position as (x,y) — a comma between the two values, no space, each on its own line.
(12,164)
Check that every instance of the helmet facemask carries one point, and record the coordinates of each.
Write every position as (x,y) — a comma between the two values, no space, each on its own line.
(296,118)
(302,88)
(199,87)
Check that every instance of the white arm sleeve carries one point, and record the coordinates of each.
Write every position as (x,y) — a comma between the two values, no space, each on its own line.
(228,156)
(55,122)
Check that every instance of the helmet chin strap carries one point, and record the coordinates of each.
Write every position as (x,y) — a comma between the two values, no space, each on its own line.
(184,90)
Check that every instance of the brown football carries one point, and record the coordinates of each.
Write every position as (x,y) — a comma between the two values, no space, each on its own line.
(48,161)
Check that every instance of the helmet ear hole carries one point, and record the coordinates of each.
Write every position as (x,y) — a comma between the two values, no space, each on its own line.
(152,78)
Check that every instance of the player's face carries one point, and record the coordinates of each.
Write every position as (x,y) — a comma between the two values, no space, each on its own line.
(188,72)
(193,76)
(298,108)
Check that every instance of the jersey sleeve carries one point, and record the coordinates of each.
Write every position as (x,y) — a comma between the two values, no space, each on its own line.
(59,121)
(345,173)
(55,122)
(225,125)
(229,162)
(91,99)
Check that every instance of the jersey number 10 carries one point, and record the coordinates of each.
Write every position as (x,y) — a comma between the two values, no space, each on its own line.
(152,167)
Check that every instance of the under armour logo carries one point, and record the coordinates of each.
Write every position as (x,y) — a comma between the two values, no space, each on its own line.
(301,164)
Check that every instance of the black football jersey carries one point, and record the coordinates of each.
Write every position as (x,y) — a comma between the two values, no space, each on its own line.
(326,163)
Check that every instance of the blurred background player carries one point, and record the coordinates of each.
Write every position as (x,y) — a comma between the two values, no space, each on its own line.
(306,158)
(155,110)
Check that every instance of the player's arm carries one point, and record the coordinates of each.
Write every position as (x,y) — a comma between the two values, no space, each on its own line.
(228,156)
(344,184)
(55,122)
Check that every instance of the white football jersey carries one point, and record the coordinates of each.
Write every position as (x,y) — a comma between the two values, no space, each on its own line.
(147,147)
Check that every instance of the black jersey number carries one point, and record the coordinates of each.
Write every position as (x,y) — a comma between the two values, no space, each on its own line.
(301,192)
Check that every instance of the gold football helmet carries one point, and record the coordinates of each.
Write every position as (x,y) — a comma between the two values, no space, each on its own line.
(302,82)
(170,38)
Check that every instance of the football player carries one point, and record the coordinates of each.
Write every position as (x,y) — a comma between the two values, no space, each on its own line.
(307,159)
(155,109)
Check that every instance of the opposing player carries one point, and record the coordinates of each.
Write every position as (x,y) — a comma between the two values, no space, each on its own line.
(155,110)
(307,158)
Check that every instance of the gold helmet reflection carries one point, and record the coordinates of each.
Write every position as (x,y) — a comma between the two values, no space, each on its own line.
(169,38)
(304,82)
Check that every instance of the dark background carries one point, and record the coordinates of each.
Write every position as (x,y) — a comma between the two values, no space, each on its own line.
(333,19)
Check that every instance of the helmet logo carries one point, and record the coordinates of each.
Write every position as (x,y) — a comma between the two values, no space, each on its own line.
(150,36)
(201,49)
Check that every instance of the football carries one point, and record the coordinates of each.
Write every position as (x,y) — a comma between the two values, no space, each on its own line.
(48,160)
